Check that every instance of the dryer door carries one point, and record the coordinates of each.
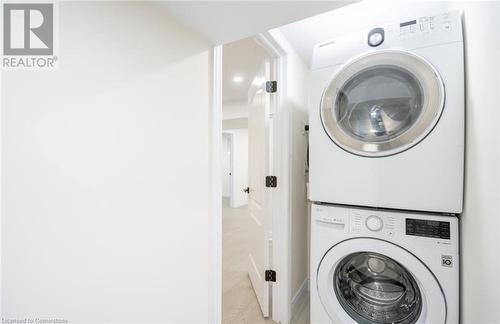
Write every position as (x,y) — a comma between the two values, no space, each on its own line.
(382,103)
(368,280)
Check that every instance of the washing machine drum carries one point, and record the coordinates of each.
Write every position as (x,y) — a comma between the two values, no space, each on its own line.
(382,103)
(369,281)
(373,287)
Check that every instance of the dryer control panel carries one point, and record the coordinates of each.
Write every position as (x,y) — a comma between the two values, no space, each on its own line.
(419,31)
(436,25)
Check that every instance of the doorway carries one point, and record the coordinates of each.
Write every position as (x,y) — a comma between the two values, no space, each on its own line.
(286,240)
(283,205)
(245,159)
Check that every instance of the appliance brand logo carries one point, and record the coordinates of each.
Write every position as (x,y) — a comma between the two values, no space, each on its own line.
(447,261)
(29,36)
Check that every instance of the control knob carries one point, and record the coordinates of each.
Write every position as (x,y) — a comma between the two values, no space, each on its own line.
(374,223)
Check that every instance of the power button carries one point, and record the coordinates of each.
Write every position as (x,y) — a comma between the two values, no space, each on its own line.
(376,37)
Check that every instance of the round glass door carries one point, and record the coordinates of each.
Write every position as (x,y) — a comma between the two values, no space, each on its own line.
(373,288)
(382,103)
(370,281)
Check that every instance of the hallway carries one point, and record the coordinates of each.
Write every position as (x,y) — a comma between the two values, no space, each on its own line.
(239,303)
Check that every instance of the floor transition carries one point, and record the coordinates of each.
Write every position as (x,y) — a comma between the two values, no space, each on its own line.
(239,303)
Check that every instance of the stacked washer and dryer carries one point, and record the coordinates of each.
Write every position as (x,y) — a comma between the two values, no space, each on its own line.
(386,173)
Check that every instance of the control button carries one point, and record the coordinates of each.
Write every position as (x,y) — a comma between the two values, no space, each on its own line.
(356,224)
(431,22)
(447,26)
(374,223)
(376,37)
(423,23)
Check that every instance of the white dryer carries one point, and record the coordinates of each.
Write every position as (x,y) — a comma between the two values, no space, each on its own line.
(371,266)
(387,116)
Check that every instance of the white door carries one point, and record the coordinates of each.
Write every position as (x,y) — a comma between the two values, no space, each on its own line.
(258,204)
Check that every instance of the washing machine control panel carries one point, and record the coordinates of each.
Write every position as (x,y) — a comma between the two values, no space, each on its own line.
(372,223)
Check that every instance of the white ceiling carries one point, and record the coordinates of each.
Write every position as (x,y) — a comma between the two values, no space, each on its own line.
(304,34)
(226,21)
(243,58)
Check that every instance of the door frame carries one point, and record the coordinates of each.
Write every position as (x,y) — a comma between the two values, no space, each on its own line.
(280,196)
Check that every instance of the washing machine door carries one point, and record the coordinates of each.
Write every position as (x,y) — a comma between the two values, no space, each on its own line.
(367,280)
(382,103)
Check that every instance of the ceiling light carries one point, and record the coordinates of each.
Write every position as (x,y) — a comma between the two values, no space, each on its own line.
(237,79)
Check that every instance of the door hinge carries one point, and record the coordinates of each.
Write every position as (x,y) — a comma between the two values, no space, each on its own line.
(270,275)
(271,181)
(271,86)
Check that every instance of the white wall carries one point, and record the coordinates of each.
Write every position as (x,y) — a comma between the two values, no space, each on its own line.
(300,214)
(105,195)
(240,167)
(235,123)
(480,222)
(235,115)
(235,109)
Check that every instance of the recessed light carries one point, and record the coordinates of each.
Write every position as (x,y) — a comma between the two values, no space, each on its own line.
(237,79)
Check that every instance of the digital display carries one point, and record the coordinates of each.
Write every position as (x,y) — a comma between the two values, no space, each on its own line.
(408,23)
(428,228)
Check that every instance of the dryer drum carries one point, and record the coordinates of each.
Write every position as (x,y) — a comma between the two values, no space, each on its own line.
(373,288)
(395,101)
(382,103)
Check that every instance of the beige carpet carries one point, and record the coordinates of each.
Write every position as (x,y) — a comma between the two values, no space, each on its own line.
(239,303)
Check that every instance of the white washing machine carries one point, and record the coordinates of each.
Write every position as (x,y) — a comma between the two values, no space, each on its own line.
(387,116)
(371,266)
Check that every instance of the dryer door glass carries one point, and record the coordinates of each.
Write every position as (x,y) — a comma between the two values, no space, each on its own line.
(382,103)
(379,104)
(373,288)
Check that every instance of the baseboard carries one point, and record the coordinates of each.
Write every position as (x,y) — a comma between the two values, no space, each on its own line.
(300,298)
